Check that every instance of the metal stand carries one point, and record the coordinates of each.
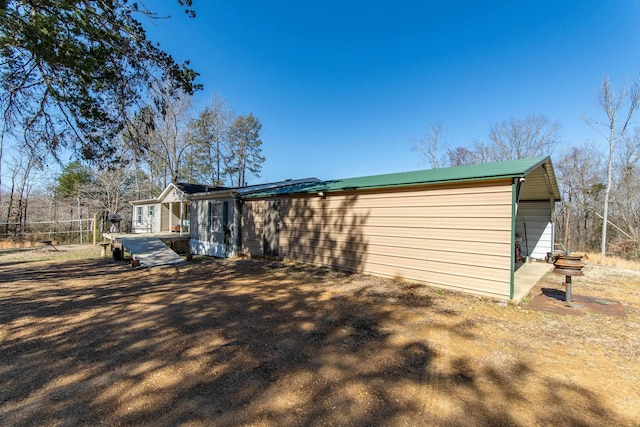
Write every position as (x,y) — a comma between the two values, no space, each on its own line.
(568,266)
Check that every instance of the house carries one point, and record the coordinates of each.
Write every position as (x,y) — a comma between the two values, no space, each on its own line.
(463,228)
(209,215)
(215,217)
(170,211)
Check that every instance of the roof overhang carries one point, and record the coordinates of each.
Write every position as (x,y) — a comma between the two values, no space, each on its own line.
(553,182)
(144,202)
(546,169)
(507,170)
(213,194)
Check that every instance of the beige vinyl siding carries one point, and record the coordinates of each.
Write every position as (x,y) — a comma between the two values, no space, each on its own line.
(252,225)
(454,236)
(172,196)
(164,220)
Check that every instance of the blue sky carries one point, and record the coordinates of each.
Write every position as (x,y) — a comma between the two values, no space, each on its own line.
(344,88)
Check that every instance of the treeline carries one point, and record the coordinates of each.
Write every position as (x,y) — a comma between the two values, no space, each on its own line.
(582,175)
(82,77)
(167,141)
(599,182)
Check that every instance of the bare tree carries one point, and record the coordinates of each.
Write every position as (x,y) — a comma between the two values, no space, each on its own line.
(626,198)
(2,132)
(11,216)
(521,138)
(165,137)
(110,189)
(136,138)
(479,152)
(511,139)
(428,146)
(618,110)
(215,147)
(580,175)
(24,166)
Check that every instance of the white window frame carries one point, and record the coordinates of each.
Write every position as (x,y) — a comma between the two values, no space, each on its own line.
(216,216)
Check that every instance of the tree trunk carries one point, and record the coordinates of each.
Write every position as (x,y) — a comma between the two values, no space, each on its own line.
(135,176)
(18,228)
(1,148)
(607,191)
(10,207)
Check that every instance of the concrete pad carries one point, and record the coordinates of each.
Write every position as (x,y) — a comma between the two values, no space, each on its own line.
(526,277)
(552,300)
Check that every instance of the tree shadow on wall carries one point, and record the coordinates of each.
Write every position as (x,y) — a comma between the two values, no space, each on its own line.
(325,232)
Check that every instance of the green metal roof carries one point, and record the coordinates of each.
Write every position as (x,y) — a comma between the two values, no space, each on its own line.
(486,171)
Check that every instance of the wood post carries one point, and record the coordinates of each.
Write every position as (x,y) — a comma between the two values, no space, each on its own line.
(96,230)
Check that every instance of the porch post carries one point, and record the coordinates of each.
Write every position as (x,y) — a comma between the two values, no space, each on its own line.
(170,216)
(181,215)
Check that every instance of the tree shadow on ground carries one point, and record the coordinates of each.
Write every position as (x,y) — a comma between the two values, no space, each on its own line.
(245,342)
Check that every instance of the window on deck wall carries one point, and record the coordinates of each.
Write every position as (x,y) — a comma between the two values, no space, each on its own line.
(151,210)
(139,214)
(217,216)
(211,217)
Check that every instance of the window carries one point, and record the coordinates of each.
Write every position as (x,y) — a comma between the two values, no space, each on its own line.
(139,214)
(217,216)
(186,222)
(151,211)
(210,219)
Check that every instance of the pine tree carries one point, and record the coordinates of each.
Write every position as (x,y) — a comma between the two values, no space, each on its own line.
(246,149)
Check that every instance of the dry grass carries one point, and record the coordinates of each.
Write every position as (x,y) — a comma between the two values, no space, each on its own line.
(248,342)
(44,253)
(612,261)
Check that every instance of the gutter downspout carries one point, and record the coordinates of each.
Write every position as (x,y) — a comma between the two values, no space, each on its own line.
(552,207)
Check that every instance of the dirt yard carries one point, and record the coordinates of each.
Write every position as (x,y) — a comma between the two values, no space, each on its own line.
(89,341)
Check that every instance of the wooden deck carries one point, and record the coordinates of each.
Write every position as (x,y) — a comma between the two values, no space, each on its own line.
(149,250)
